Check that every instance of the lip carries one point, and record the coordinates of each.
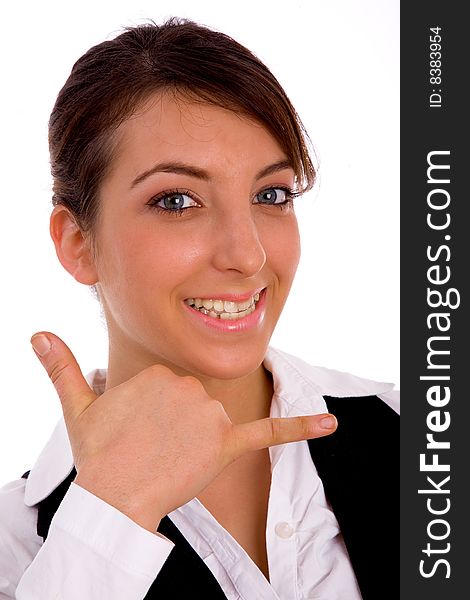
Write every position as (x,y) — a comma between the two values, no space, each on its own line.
(251,321)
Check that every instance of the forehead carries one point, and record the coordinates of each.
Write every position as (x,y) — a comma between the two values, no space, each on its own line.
(208,136)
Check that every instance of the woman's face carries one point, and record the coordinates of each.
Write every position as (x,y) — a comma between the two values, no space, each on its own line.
(194,210)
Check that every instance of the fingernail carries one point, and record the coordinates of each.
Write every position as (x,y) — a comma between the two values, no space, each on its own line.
(41,344)
(328,423)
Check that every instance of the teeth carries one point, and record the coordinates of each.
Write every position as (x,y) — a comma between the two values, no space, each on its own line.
(218,306)
(244,305)
(230,307)
(226,310)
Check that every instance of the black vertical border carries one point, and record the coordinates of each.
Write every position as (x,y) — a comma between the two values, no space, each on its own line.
(425,129)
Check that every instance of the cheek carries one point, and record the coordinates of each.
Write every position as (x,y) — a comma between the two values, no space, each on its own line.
(282,247)
(153,257)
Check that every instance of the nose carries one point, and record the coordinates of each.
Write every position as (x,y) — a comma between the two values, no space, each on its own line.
(238,246)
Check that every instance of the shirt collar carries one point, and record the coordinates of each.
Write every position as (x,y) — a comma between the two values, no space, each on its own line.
(298,390)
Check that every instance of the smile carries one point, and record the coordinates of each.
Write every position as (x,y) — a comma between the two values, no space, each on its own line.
(224,309)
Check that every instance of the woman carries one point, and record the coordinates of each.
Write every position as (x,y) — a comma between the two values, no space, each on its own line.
(176,157)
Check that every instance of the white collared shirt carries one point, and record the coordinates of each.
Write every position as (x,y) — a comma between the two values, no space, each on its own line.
(93,551)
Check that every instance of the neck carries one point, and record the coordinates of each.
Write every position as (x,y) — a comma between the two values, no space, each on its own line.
(245,399)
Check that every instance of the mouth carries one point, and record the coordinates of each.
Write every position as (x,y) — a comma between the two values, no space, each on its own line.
(223,309)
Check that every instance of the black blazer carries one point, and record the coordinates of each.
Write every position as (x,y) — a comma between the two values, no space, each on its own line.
(359,467)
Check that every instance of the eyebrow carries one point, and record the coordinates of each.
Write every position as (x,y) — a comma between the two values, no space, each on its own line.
(180,168)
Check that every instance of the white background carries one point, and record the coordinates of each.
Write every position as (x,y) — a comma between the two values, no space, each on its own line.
(338,61)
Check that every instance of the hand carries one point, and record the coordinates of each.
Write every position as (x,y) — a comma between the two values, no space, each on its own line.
(153,443)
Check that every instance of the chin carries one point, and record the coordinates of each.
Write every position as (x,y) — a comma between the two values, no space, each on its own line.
(227,366)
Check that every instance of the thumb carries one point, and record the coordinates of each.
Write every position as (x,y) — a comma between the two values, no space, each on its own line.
(74,392)
(272,431)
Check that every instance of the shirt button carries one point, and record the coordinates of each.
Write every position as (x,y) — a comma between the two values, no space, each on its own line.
(284,530)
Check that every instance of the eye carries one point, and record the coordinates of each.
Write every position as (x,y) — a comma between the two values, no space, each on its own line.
(274,195)
(174,201)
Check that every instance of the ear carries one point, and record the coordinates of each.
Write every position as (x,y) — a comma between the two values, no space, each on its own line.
(72,246)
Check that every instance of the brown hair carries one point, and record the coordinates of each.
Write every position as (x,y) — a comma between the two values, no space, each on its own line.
(110,81)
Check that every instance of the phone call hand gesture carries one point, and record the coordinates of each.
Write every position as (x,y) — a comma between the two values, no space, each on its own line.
(151,444)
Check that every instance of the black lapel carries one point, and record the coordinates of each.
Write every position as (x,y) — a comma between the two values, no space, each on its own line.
(359,467)
(184,574)
(48,507)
